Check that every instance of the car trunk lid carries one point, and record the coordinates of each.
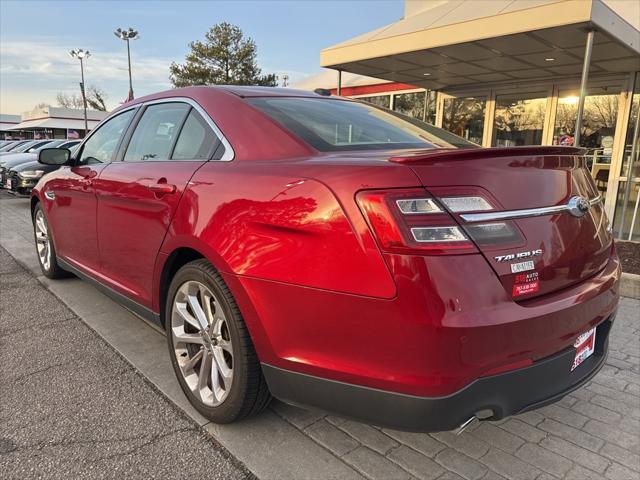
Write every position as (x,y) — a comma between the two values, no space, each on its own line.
(543,226)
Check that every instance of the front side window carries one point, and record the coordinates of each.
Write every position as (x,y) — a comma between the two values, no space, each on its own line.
(101,146)
(196,140)
(334,125)
(156,132)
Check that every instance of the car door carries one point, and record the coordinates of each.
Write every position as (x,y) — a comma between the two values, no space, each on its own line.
(71,194)
(138,195)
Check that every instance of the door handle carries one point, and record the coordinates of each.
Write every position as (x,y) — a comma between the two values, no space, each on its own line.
(162,188)
(87,179)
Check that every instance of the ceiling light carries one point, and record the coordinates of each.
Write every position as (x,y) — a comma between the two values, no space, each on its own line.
(549,59)
(426,74)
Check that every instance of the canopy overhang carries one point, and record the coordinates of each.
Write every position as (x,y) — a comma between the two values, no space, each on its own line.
(491,41)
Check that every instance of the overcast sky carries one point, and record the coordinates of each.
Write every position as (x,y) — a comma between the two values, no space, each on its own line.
(35,37)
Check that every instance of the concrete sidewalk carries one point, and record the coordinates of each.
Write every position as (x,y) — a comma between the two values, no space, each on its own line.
(592,433)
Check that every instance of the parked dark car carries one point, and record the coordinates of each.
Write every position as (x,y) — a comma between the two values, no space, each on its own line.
(338,255)
(10,161)
(20,179)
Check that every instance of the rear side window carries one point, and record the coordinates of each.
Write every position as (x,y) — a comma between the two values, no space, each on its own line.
(156,132)
(196,140)
(333,125)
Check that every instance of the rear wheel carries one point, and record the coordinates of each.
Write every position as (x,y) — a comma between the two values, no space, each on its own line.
(44,246)
(210,347)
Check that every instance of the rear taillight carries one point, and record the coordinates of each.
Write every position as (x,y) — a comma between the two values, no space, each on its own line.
(412,222)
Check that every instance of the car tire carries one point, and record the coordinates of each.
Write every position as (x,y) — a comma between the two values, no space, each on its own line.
(210,347)
(45,249)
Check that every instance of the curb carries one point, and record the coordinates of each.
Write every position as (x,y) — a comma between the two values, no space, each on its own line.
(630,285)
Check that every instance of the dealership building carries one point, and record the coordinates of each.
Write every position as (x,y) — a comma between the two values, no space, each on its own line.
(509,73)
(49,122)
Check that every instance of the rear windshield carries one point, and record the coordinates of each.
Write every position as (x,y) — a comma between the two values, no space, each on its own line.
(331,125)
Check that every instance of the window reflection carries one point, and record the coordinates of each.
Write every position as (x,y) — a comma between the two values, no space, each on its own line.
(519,120)
(598,128)
(420,105)
(598,122)
(379,100)
(465,117)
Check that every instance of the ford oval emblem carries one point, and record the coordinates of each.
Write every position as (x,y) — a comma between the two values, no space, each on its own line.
(578,206)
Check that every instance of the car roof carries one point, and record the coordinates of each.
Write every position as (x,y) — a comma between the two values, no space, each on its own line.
(215,90)
(252,91)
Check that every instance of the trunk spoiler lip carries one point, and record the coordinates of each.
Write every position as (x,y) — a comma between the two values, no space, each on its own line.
(423,157)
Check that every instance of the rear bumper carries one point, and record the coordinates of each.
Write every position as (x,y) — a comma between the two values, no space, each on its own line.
(517,391)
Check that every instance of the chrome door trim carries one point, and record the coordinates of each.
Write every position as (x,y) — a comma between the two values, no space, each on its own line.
(525,213)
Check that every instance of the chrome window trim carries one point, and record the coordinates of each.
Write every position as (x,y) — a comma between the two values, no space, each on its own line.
(515,214)
(229,153)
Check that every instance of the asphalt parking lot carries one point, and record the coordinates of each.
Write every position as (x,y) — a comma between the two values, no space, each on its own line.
(72,406)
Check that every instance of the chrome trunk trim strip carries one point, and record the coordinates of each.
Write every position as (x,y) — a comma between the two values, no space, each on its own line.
(528,212)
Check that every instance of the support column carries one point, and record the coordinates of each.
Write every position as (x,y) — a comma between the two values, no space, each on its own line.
(583,85)
(339,82)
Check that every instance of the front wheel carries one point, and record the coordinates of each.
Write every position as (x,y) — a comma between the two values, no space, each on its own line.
(44,246)
(210,348)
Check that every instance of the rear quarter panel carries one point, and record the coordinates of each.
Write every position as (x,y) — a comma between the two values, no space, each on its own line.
(274,221)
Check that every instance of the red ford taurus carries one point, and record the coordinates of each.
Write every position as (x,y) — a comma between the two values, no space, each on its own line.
(337,255)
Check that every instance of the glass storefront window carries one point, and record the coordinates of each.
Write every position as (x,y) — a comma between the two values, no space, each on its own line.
(519,120)
(626,223)
(379,100)
(598,122)
(598,128)
(420,105)
(465,117)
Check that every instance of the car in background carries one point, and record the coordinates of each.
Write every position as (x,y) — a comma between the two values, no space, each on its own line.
(20,179)
(27,147)
(12,144)
(338,255)
(9,161)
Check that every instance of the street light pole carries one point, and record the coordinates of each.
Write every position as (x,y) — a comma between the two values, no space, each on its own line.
(127,36)
(81,54)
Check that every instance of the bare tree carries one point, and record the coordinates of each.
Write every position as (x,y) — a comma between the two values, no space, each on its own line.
(69,101)
(96,99)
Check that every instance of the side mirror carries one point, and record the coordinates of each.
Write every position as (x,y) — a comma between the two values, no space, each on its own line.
(54,156)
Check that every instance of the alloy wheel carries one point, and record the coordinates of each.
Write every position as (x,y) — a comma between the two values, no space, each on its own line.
(43,240)
(202,342)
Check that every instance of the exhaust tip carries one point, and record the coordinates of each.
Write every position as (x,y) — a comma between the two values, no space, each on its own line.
(477,417)
(466,424)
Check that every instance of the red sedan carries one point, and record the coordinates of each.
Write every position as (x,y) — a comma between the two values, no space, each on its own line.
(337,255)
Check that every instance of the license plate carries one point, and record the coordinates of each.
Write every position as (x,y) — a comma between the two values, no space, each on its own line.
(8,184)
(585,346)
